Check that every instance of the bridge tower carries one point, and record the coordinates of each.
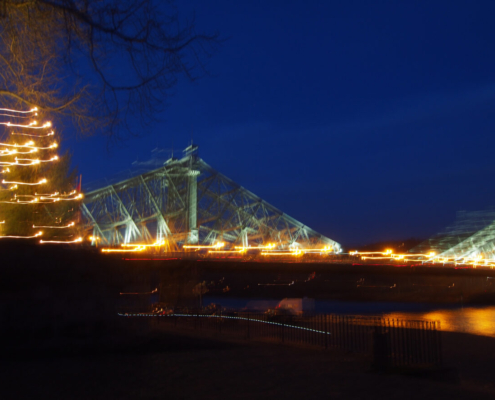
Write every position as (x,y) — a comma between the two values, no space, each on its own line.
(192,194)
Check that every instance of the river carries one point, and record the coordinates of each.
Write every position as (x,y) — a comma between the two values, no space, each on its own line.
(474,320)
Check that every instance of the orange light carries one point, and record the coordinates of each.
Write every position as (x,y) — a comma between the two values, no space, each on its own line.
(22,237)
(78,240)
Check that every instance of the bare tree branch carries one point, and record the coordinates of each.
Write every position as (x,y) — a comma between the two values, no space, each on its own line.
(99,62)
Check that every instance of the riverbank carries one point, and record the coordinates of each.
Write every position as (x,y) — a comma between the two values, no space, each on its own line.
(357,283)
(52,292)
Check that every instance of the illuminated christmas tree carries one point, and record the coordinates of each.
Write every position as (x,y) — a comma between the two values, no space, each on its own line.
(36,187)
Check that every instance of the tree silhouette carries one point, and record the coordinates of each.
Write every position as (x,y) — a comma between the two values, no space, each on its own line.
(97,63)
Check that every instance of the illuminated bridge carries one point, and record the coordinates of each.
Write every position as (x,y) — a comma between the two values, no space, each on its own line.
(471,236)
(186,201)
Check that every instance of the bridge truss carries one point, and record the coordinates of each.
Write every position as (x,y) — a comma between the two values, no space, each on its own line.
(187,201)
(471,235)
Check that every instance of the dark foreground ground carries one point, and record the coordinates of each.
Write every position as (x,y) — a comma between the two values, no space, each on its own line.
(183,367)
(49,295)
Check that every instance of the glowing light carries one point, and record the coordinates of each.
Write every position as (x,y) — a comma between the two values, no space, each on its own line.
(43,200)
(267,246)
(365,252)
(282,253)
(30,145)
(54,145)
(160,243)
(56,227)
(22,237)
(32,110)
(10,188)
(64,195)
(31,125)
(429,258)
(17,163)
(227,251)
(325,249)
(34,149)
(16,150)
(36,200)
(134,247)
(60,198)
(41,182)
(218,245)
(6,152)
(37,161)
(78,240)
(28,134)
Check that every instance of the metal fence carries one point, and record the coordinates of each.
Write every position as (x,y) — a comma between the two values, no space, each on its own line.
(406,343)
(391,342)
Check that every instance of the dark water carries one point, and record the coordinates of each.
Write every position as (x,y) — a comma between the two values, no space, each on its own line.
(474,320)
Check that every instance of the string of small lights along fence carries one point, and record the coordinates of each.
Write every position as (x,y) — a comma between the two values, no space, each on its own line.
(391,342)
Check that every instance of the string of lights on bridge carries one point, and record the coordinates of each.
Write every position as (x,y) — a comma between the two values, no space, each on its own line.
(271,250)
(431,257)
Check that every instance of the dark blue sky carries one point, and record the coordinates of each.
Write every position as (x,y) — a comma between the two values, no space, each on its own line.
(365,120)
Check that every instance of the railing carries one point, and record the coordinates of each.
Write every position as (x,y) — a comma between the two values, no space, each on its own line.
(406,343)
(391,342)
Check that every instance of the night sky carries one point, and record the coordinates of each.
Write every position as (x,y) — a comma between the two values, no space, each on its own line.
(365,120)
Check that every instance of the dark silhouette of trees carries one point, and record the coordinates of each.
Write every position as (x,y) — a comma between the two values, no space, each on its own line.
(99,63)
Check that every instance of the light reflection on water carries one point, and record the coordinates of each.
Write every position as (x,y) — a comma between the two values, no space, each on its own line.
(474,320)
